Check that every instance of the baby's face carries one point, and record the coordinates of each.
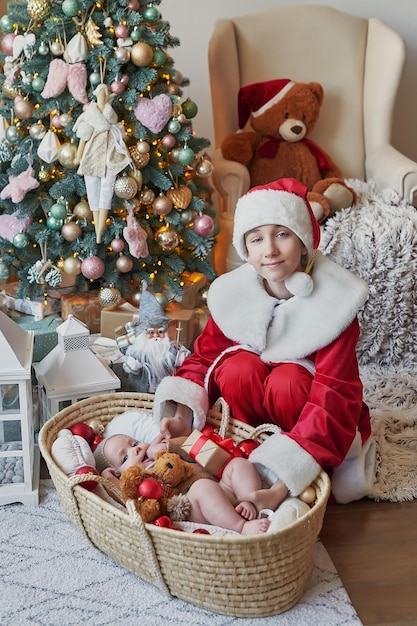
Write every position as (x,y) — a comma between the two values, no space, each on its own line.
(122,452)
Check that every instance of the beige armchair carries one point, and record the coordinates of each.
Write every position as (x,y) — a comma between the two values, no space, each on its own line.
(359,63)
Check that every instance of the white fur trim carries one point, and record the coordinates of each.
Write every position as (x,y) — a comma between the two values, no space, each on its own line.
(269,206)
(355,476)
(299,284)
(288,461)
(182,391)
(283,92)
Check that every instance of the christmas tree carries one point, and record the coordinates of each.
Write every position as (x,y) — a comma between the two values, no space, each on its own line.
(102,179)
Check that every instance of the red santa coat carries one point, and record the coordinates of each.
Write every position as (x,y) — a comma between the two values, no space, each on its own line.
(319,331)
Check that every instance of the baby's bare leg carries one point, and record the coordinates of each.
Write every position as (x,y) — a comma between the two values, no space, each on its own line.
(210,505)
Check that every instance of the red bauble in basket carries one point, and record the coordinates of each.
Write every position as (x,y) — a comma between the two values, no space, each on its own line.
(82,430)
(150,489)
(88,484)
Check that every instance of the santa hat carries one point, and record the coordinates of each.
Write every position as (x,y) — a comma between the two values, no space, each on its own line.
(283,202)
(255,99)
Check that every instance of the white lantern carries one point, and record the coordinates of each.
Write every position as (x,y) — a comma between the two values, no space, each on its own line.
(19,456)
(71,371)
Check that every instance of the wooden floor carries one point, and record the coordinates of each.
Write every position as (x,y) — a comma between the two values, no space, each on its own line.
(373,546)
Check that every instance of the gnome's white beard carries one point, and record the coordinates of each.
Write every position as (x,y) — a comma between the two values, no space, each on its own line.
(155,355)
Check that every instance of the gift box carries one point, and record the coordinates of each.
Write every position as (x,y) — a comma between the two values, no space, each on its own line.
(117,318)
(207,452)
(45,335)
(183,325)
(193,283)
(37,307)
(85,306)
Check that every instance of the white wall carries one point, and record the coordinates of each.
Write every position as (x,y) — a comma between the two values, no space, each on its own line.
(193,22)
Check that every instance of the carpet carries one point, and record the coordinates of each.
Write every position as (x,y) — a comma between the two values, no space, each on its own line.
(50,575)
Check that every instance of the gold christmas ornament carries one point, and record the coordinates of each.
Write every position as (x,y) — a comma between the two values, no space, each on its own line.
(308,495)
(67,155)
(124,264)
(204,168)
(137,177)
(162,299)
(125,187)
(38,9)
(97,425)
(44,176)
(82,210)
(141,54)
(180,196)
(167,238)
(109,297)
(23,109)
(71,231)
(9,91)
(72,266)
(139,159)
(147,196)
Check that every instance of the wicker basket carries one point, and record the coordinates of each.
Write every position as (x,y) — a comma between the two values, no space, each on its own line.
(242,576)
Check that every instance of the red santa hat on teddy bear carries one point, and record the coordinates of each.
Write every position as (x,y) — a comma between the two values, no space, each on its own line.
(282,202)
(257,98)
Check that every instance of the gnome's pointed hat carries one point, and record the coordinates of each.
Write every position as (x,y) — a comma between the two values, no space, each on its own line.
(151,313)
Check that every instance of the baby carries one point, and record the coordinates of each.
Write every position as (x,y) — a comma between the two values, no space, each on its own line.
(232,503)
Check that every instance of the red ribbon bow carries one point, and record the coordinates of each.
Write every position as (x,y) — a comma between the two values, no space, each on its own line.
(226,444)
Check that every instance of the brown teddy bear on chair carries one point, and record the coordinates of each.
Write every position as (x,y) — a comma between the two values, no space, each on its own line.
(282,113)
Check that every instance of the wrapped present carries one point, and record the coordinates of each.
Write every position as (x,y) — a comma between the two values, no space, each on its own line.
(193,283)
(37,307)
(183,326)
(116,319)
(45,335)
(85,306)
(211,451)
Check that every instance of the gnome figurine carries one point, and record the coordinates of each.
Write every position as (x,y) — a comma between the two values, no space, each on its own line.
(149,352)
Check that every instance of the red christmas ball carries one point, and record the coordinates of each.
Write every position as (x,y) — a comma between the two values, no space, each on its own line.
(92,267)
(96,439)
(150,488)
(247,446)
(201,531)
(88,469)
(82,430)
(203,225)
(164,521)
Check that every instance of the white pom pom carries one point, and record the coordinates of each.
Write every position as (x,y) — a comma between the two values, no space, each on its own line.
(299,284)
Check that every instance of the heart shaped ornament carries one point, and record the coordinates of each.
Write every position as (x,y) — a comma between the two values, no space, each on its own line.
(154,113)
(180,196)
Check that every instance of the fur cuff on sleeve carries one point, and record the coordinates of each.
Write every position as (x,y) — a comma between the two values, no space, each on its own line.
(288,461)
(183,391)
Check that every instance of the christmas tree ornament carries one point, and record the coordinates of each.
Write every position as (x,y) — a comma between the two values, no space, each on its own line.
(20,240)
(118,86)
(180,196)
(49,147)
(65,119)
(13,135)
(147,196)
(204,168)
(71,231)
(70,8)
(186,216)
(140,160)
(44,271)
(203,225)
(58,210)
(76,50)
(72,266)
(125,187)
(174,126)
(109,297)
(23,108)
(141,54)
(135,35)
(94,79)
(151,14)
(117,244)
(177,77)
(189,108)
(20,185)
(67,155)
(159,58)
(82,210)
(154,113)
(56,120)
(37,131)
(124,264)
(38,10)
(168,141)
(43,49)
(122,55)
(172,89)
(23,46)
(92,267)
(6,24)
(162,299)
(4,270)
(185,156)
(162,205)
(44,176)
(54,224)
(167,238)
(133,5)
(7,44)
(92,32)
(121,30)
(8,90)
(38,83)
(138,177)
(10,225)
(135,236)
(57,47)
(64,75)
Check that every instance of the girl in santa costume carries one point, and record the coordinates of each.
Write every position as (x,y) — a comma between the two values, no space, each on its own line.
(280,347)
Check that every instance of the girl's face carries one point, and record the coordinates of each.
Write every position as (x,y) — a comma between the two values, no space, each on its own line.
(275,252)
(122,452)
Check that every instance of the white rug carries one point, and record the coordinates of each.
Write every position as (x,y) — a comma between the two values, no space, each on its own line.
(50,575)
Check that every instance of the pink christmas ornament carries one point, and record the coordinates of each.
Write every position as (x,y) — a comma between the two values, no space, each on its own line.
(135,237)
(62,75)
(19,185)
(154,113)
(168,141)
(11,225)
(117,244)
(7,44)
(203,225)
(92,267)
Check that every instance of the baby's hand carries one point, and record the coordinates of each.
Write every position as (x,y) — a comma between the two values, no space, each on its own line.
(110,472)
(156,445)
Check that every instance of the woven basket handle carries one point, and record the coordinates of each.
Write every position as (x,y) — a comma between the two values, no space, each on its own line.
(265,428)
(223,408)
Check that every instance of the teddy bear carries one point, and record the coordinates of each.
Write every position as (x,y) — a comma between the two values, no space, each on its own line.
(172,473)
(282,113)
